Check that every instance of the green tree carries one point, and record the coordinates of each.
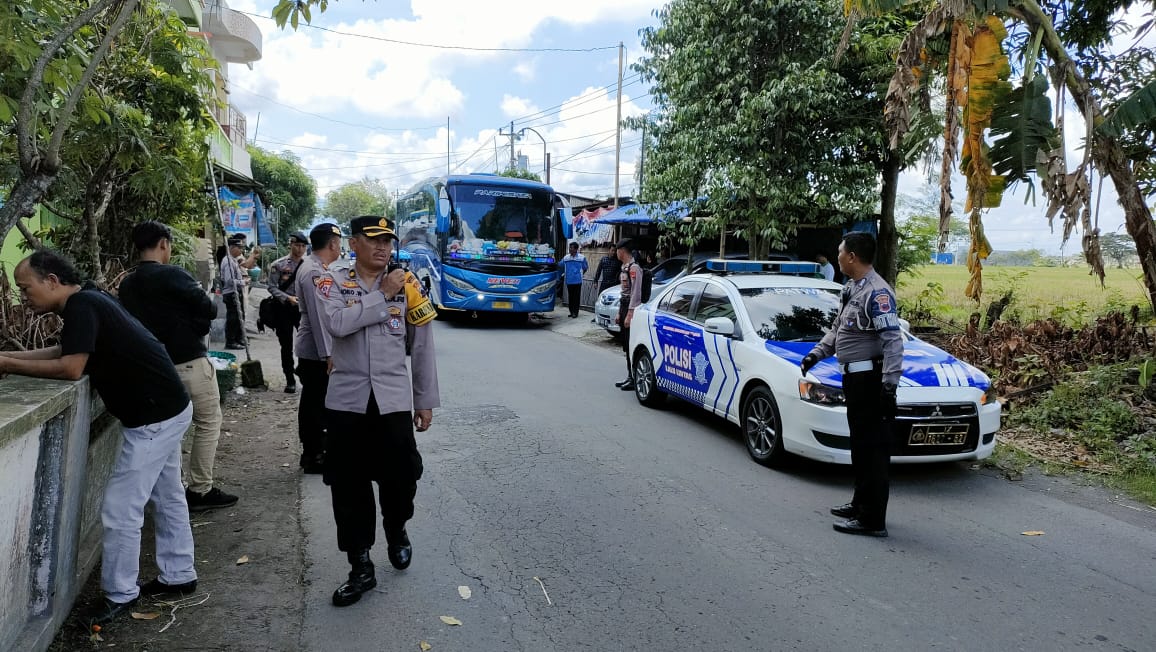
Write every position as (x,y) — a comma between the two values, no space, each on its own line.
(919,239)
(365,197)
(287,187)
(1118,247)
(751,125)
(50,51)
(147,158)
(518,173)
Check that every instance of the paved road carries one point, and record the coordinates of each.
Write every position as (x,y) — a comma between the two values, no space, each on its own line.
(653,530)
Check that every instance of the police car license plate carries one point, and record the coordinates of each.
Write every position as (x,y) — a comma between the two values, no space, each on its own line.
(507,305)
(938,434)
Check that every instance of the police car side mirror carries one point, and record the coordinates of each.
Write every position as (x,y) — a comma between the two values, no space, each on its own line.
(720,326)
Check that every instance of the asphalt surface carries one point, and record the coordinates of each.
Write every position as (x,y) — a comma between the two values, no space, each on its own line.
(580,520)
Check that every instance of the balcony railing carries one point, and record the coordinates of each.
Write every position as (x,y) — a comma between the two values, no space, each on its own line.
(233,123)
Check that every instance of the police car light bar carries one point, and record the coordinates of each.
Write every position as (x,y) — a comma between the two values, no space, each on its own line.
(795,268)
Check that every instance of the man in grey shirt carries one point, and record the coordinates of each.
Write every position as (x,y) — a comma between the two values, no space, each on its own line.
(283,290)
(372,310)
(868,344)
(313,345)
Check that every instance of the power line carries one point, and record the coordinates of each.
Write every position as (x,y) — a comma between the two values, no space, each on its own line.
(438,45)
(351,151)
(340,122)
(551,110)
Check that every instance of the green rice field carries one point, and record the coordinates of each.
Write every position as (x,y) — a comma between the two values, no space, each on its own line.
(1069,294)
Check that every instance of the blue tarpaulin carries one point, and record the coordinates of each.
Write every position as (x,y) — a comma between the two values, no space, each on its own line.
(644,213)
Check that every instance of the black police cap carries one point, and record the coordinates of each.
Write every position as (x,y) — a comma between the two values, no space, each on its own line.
(372,226)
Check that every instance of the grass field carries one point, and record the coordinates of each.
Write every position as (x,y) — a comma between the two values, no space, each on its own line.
(1066,293)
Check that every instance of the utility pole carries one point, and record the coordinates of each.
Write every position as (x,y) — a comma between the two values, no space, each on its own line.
(513,136)
(642,163)
(448,146)
(547,168)
(618,125)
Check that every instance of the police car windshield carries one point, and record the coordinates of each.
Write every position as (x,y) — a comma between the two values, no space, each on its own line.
(791,314)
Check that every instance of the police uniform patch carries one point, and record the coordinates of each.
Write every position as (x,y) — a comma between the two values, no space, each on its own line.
(349,284)
(883,302)
(394,311)
(324,285)
(395,323)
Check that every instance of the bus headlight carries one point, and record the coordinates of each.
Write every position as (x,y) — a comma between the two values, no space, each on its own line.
(541,287)
(459,283)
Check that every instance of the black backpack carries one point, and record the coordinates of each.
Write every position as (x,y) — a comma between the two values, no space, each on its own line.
(647,282)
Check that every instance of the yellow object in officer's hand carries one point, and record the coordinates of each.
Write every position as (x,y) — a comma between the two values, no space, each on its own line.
(420,310)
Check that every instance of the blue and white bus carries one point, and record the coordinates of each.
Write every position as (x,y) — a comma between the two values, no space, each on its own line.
(481,242)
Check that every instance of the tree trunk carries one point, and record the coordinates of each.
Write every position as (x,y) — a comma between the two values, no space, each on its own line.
(23,199)
(96,203)
(1109,156)
(1106,152)
(886,253)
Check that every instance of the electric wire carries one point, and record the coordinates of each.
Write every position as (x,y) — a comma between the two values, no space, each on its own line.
(438,46)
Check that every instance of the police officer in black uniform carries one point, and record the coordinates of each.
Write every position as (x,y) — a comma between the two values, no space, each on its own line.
(868,344)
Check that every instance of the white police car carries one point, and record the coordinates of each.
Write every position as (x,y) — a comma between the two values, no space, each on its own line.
(731,340)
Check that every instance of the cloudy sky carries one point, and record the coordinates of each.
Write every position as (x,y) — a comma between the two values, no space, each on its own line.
(368,89)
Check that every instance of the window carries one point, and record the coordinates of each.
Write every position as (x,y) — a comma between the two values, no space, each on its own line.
(714,303)
(791,314)
(681,298)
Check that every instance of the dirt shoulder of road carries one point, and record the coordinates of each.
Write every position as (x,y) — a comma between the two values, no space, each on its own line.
(250,557)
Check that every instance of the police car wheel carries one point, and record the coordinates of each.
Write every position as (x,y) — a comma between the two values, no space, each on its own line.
(762,427)
(645,383)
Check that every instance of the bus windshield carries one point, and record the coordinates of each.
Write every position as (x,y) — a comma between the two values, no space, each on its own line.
(502,223)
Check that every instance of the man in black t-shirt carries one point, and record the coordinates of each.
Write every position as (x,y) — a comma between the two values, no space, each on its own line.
(135,378)
(172,305)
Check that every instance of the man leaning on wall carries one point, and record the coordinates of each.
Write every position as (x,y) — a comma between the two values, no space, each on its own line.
(135,378)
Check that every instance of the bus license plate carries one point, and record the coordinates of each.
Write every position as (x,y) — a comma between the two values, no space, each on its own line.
(945,434)
(506,305)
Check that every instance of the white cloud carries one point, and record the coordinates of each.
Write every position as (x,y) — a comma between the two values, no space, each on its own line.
(526,70)
(513,107)
(335,72)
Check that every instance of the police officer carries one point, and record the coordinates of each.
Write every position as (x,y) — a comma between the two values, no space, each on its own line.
(866,340)
(372,311)
(282,287)
(631,280)
(313,345)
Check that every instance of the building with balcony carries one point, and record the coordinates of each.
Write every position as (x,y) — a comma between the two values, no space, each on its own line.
(233,38)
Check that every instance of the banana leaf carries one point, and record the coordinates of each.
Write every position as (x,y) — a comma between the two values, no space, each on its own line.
(1138,109)
(1021,126)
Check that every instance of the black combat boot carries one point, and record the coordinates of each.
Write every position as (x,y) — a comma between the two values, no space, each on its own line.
(361,579)
(400,549)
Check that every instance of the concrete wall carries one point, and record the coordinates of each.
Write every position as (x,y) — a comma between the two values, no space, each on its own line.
(57,448)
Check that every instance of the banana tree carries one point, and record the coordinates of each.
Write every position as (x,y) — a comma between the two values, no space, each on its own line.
(1008,133)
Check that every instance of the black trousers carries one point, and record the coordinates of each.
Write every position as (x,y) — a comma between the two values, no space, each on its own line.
(574,297)
(871,435)
(625,333)
(311,413)
(234,331)
(363,449)
(285,338)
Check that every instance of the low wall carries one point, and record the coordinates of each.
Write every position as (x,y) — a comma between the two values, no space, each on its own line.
(57,448)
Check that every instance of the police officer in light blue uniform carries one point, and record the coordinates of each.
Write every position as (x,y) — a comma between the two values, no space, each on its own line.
(868,344)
